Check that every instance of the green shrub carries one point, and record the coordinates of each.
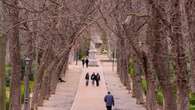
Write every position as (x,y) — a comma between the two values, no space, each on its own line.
(159,97)
(144,85)
(31,83)
(192,99)
(7,75)
(192,102)
(7,97)
(131,69)
(192,107)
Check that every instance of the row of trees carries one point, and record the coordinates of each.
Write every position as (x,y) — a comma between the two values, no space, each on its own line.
(45,31)
(149,33)
(158,37)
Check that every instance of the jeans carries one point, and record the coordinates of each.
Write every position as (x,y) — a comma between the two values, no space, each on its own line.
(109,107)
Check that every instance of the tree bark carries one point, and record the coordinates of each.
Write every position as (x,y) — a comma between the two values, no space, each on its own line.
(58,69)
(159,50)
(123,61)
(138,81)
(178,49)
(14,48)
(2,71)
(190,12)
(38,79)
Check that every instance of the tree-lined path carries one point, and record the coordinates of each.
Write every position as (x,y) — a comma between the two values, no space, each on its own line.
(90,97)
(153,42)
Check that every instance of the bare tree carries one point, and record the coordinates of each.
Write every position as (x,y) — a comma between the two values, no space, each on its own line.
(190,12)
(159,50)
(13,17)
(2,58)
(180,57)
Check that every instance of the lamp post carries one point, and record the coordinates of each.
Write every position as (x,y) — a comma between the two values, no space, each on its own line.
(26,83)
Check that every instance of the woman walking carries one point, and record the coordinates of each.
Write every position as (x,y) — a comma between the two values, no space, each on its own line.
(87,79)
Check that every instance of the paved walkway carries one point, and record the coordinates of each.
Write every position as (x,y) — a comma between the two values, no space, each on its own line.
(90,97)
(123,100)
(65,92)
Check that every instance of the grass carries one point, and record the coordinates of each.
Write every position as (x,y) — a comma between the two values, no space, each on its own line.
(192,101)
(31,83)
(7,81)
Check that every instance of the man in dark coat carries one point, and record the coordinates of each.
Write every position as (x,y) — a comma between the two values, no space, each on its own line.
(83,62)
(97,79)
(93,77)
(109,100)
(87,62)
(87,79)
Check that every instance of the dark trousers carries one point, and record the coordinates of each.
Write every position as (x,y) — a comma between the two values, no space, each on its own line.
(109,107)
(93,81)
(97,83)
(87,65)
(87,82)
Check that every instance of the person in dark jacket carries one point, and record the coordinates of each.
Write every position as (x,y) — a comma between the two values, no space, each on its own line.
(97,79)
(87,79)
(109,100)
(83,62)
(87,62)
(93,77)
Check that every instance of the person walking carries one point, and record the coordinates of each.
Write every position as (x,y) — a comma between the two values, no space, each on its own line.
(83,62)
(87,79)
(87,62)
(93,77)
(97,79)
(109,100)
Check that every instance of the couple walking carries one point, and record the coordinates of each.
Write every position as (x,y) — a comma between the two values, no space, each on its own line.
(108,99)
(94,78)
(85,61)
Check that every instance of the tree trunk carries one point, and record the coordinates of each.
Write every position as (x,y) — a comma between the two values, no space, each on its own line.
(119,58)
(159,51)
(179,55)
(57,71)
(2,60)
(38,79)
(138,85)
(123,59)
(50,73)
(151,103)
(133,93)
(2,71)
(190,11)
(14,48)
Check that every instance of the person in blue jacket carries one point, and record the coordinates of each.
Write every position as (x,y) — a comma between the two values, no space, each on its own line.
(109,100)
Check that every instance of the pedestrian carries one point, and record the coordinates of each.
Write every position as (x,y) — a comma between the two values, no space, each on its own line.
(93,77)
(87,79)
(87,62)
(83,62)
(97,79)
(109,100)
